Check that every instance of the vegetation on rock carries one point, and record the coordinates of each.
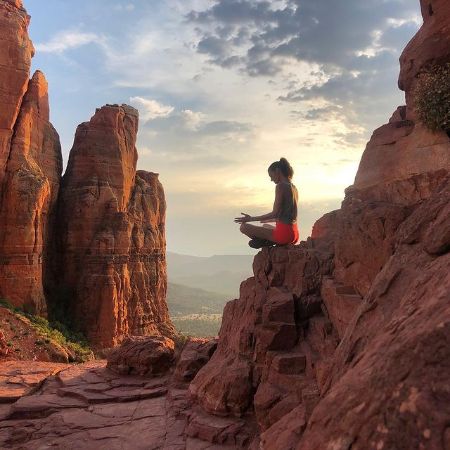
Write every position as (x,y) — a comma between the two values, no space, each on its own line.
(432,97)
(54,331)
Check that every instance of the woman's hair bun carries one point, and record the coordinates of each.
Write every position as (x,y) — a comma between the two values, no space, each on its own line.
(284,166)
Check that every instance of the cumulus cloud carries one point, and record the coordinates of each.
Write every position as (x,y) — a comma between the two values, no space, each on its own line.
(150,109)
(67,40)
(192,119)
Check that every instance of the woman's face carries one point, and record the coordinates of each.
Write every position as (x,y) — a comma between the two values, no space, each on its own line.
(274,175)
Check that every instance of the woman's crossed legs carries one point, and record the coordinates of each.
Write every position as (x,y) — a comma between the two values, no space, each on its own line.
(255,231)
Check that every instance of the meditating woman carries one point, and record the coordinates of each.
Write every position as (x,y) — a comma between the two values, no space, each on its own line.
(284,212)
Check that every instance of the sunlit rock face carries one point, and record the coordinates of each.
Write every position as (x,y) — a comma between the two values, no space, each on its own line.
(111,236)
(16,51)
(343,341)
(96,249)
(404,147)
(30,166)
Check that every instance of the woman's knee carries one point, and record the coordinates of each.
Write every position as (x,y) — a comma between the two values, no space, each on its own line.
(243,227)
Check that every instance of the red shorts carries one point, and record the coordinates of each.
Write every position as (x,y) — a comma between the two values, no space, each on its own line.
(285,233)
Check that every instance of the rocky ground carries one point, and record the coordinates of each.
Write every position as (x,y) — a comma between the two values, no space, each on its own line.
(341,342)
(90,406)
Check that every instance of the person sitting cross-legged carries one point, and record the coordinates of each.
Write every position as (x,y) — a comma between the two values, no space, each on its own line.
(284,212)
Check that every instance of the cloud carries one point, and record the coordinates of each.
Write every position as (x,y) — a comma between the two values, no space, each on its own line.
(126,7)
(67,40)
(150,109)
(323,31)
(341,53)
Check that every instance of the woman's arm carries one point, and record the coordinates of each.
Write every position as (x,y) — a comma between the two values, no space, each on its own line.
(272,215)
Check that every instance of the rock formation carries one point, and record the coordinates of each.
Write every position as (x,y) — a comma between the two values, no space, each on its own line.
(340,342)
(111,233)
(95,250)
(16,51)
(343,341)
(30,167)
(149,356)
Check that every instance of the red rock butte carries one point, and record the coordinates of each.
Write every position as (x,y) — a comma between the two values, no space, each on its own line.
(340,342)
(91,243)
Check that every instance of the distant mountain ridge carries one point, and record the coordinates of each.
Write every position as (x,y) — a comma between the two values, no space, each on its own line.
(185,300)
(221,274)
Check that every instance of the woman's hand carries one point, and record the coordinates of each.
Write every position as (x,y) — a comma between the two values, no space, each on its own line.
(245,218)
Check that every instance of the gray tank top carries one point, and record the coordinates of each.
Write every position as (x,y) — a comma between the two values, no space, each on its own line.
(288,213)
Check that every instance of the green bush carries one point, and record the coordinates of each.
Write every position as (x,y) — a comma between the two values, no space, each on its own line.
(432,97)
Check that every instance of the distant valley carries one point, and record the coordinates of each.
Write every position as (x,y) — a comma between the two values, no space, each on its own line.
(199,288)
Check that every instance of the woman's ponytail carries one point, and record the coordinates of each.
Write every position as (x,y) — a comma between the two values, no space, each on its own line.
(286,168)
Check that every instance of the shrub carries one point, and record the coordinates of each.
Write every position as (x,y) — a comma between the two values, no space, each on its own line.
(432,97)
(54,331)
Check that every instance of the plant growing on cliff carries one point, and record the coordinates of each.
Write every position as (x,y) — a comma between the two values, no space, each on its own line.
(432,97)
(75,342)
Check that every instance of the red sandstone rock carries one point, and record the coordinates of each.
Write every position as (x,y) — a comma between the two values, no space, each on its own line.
(3,345)
(341,303)
(195,354)
(16,51)
(430,45)
(387,381)
(87,406)
(278,358)
(19,378)
(112,237)
(142,355)
(30,166)
(364,237)
(27,211)
(404,147)
(400,150)
(106,257)
(260,325)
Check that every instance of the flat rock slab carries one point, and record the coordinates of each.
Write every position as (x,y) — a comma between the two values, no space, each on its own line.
(88,406)
(19,378)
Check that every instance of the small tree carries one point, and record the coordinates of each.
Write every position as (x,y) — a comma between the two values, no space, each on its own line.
(432,98)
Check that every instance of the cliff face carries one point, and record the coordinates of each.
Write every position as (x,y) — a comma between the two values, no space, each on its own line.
(16,51)
(343,341)
(111,233)
(30,167)
(404,147)
(95,250)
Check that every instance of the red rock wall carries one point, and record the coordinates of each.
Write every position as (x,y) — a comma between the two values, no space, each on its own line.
(111,233)
(30,167)
(404,147)
(97,249)
(16,51)
(343,341)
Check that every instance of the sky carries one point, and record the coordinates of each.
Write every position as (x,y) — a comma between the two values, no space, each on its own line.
(226,87)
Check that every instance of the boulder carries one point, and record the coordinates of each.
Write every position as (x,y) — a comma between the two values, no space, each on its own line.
(142,355)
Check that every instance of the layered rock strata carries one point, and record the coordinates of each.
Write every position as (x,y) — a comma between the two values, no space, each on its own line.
(16,51)
(94,252)
(111,234)
(30,167)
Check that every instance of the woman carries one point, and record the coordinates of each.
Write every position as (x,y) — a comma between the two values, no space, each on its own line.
(284,211)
